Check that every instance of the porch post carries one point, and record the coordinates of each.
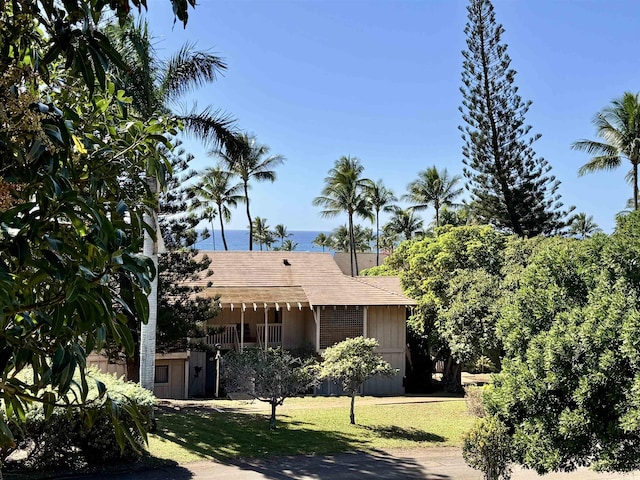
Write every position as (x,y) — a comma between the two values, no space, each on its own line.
(364,321)
(266,330)
(242,329)
(316,316)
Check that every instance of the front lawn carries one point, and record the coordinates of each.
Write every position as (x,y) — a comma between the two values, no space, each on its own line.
(306,426)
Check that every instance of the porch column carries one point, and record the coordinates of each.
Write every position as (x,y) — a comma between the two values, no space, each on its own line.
(316,317)
(364,321)
(242,329)
(266,328)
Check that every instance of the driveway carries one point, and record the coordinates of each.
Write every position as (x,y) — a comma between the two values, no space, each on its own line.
(427,463)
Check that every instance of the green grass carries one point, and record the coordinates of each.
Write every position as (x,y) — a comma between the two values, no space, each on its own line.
(306,426)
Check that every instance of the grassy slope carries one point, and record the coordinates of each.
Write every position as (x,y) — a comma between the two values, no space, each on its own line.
(306,426)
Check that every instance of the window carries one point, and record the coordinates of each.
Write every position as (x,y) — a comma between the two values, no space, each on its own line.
(339,324)
(162,374)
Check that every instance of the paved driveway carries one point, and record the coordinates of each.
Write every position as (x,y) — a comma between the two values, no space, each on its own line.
(427,463)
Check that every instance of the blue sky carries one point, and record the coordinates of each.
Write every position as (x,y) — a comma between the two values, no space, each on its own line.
(379,80)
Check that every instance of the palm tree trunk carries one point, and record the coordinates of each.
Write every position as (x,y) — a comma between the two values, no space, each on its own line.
(635,185)
(377,237)
(246,199)
(352,242)
(224,239)
(148,329)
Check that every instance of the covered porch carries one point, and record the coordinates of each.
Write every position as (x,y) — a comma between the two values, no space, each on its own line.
(260,317)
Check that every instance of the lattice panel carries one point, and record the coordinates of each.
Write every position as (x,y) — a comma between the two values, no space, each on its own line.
(340,324)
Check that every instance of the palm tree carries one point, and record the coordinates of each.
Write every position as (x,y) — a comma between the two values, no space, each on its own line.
(156,87)
(261,232)
(341,240)
(210,214)
(388,239)
(216,187)
(250,160)
(322,240)
(433,188)
(288,245)
(381,199)
(404,222)
(343,193)
(583,225)
(280,231)
(619,126)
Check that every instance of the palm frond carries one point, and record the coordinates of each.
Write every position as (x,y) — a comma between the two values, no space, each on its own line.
(215,128)
(189,69)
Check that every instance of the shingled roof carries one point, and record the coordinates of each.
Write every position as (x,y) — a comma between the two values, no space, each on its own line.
(298,278)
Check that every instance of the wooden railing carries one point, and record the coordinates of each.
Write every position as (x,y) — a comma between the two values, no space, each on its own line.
(274,334)
(227,337)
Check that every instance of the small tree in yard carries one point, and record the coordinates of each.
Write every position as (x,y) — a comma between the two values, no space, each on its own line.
(270,376)
(352,362)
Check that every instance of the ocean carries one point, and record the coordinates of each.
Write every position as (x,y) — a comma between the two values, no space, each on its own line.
(239,240)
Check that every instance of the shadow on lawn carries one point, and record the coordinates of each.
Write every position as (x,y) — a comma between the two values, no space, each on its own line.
(223,436)
(411,434)
(351,465)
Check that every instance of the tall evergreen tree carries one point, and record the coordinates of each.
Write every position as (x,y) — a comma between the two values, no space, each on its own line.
(511,187)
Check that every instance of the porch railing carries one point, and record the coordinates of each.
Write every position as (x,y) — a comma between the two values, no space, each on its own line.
(227,337)
(274,334)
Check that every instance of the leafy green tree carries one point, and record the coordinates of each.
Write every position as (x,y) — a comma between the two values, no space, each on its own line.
(352,362)
(322,240)
(344,193)
(250,160)
(381,199)
(435,189)
(73,159)
(404,222)
(270,376)
(619,126)
(568,390)
(583,226)
(456,279)
(511,188)
(216,187)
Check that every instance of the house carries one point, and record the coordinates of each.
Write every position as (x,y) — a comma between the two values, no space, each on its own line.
(301,299)
(297,300)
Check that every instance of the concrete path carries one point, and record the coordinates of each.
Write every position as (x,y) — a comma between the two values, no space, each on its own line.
(427,463)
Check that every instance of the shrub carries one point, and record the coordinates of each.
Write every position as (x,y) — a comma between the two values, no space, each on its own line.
(474,396)
(487,447)
(78,436)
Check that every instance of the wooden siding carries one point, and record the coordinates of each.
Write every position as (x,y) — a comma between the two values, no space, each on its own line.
(104,365)
(388,326)
(175,387)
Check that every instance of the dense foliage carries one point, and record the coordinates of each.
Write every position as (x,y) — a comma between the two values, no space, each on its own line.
(61,438)
(72,161)
(511,188)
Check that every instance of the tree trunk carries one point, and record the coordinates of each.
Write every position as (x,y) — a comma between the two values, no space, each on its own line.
(148,329)
(351,242)
(377,237)
(246,199)
(635,185)
(133,366)
(352,415)
(224,239)
(272,420)
(452,376)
